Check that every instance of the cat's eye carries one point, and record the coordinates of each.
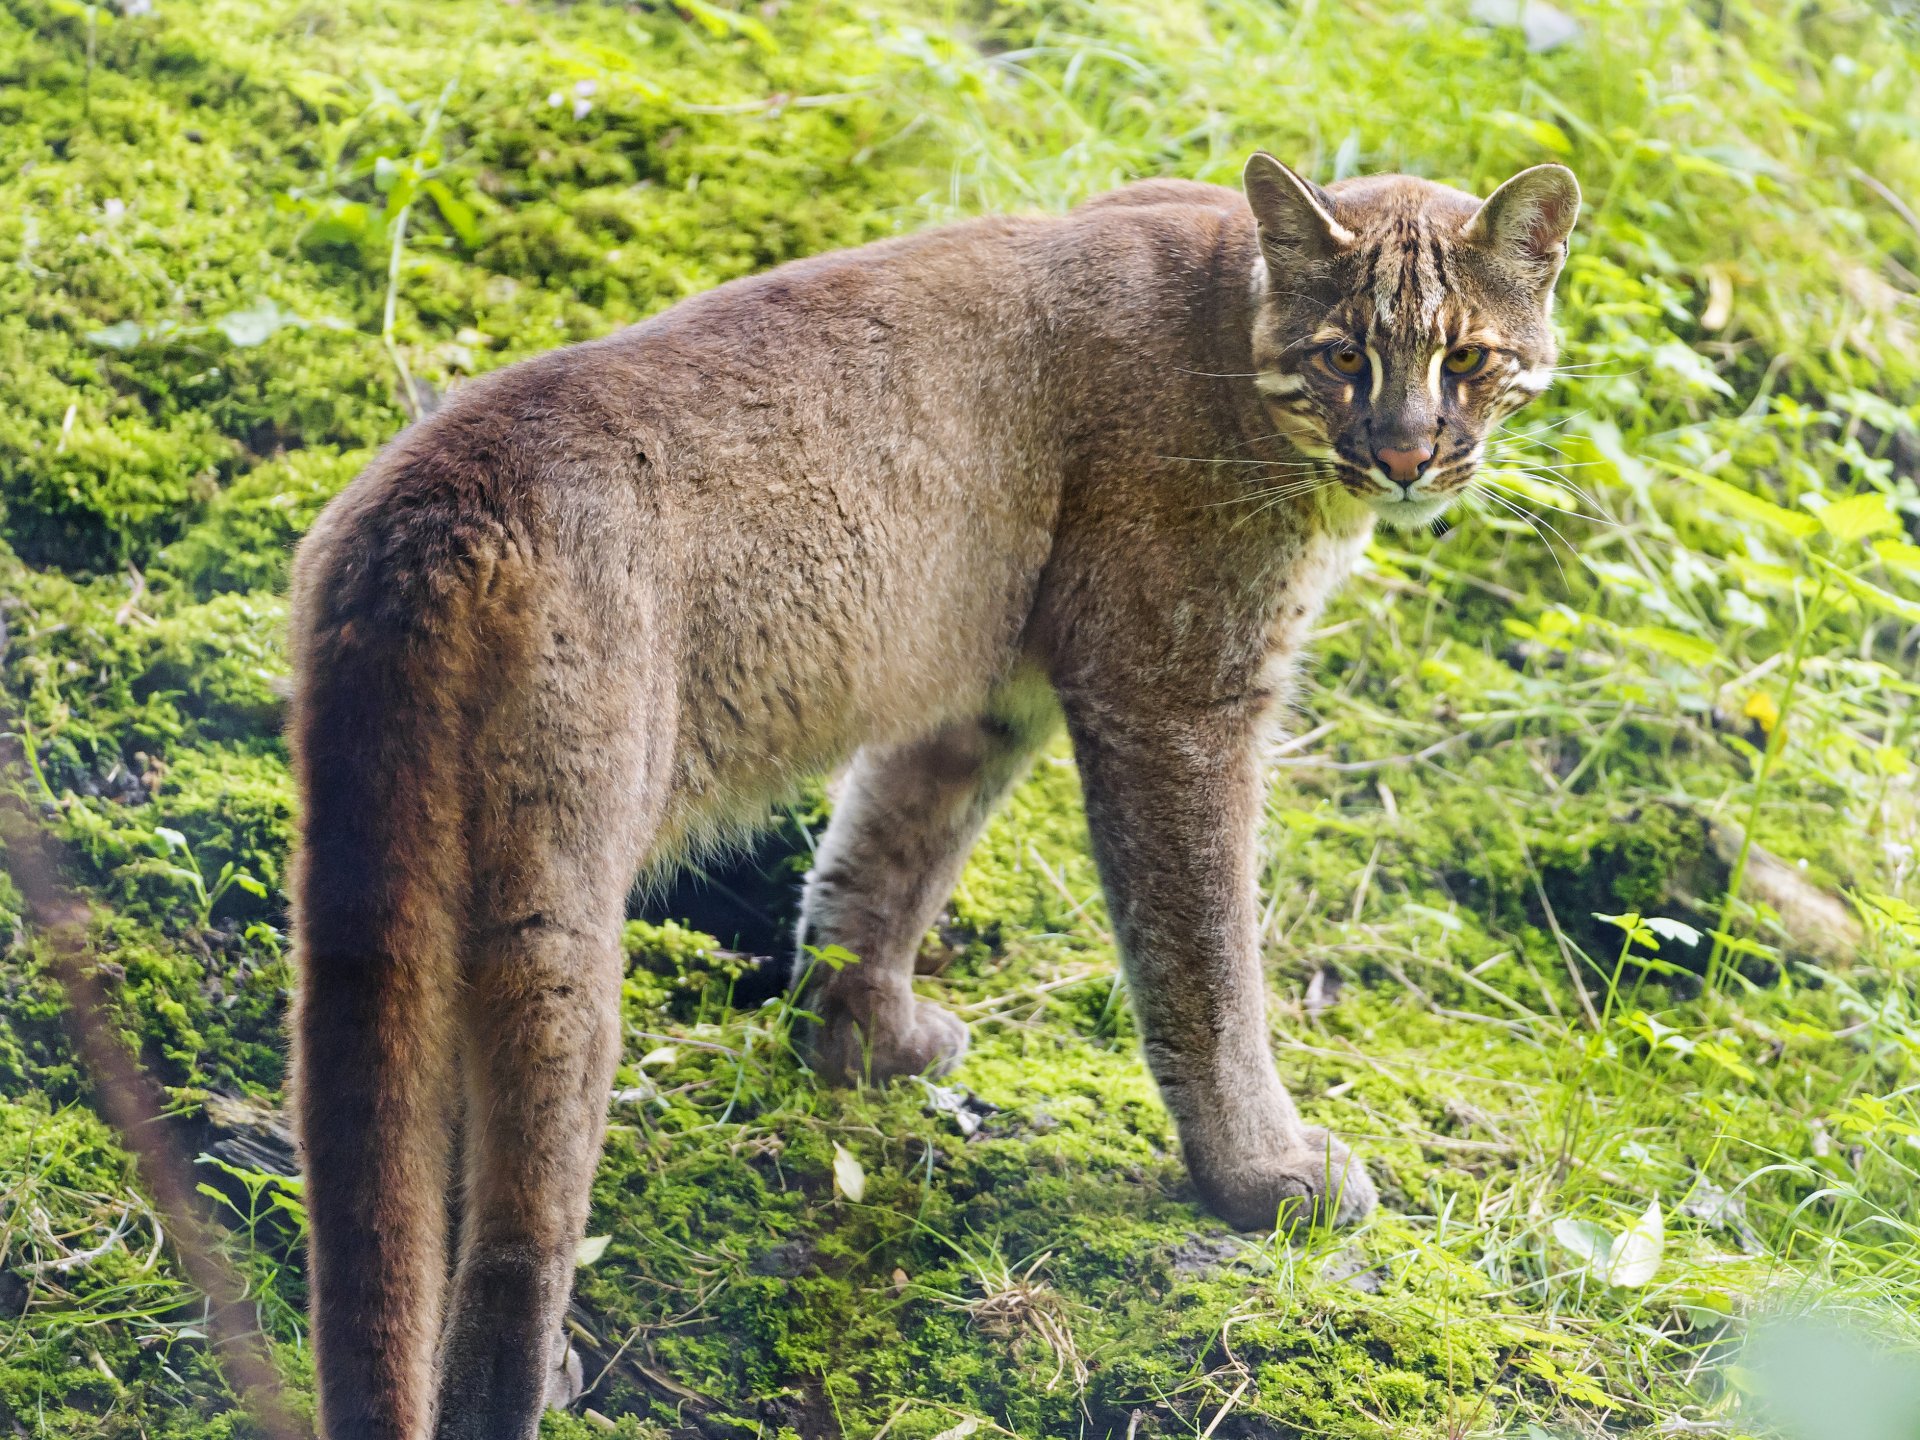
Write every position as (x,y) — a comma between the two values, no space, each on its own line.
(1346,359)
(1465,359)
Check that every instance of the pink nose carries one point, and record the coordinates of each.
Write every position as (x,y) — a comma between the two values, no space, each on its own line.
(1404,465)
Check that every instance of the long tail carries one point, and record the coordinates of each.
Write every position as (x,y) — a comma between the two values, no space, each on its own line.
(378,890)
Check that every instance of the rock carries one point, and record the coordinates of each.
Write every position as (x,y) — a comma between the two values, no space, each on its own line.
(785,1260)
(1816,922)
(249,1135)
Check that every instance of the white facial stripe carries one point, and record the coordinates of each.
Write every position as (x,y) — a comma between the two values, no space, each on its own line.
(1534,381)
(1271,382)
(1379,368)
(1433,375)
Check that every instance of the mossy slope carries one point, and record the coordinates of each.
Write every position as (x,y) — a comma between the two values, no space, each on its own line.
(243,240)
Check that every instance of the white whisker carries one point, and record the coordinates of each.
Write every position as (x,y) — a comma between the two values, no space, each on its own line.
(1528,521)
(1489,478)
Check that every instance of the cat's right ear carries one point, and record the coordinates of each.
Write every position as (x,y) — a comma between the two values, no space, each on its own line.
(1295,216)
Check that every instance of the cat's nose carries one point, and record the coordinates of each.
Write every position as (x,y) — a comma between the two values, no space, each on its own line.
(1404,465)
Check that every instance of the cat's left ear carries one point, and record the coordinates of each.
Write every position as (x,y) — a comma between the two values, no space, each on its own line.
(1525,223)
(1294,215)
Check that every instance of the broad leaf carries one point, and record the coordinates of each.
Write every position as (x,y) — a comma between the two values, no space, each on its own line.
(256,324)
(1674,644)
(1744,505)
(1858,516)
(1896,605)
(1590,1242)
(121,335)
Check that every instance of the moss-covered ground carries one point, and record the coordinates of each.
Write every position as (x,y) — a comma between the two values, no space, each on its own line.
(239,242)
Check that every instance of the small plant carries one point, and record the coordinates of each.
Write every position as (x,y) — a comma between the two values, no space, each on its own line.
(205,896)
(1011,1302)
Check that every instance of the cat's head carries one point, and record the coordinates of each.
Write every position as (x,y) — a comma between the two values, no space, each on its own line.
(1400,321)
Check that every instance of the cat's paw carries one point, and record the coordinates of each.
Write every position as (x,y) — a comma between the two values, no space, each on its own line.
(1318,1183)
(915,1038)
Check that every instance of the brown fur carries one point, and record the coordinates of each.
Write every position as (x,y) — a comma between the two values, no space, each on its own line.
(909,504)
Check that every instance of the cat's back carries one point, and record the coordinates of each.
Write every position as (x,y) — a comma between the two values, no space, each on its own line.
(938,374)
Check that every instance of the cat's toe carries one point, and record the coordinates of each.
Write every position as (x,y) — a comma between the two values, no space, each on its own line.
(917,1039)
(1344,1191)
(1319,1182)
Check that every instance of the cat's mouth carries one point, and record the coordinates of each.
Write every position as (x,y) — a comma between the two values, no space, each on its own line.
(1402,507)
(1415,512)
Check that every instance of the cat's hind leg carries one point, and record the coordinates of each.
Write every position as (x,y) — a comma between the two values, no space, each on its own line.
(906,817)
(567,790)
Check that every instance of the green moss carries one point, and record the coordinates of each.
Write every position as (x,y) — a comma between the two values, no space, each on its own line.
(246,539)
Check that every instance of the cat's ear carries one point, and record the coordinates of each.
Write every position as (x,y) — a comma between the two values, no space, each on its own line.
(1525,223)
(1295,216)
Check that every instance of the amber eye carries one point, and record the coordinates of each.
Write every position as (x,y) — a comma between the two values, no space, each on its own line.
(1346,359)
(1466,359)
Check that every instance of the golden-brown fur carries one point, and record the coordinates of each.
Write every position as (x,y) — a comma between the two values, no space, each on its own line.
(908,504)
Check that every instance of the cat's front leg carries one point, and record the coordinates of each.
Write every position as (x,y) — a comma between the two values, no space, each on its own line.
(1172,801)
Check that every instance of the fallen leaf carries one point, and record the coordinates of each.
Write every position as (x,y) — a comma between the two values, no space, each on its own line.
(848,1178)
(1711,1205)
(1545,26)
(1323,992)
(968,1110)
(1635,1256)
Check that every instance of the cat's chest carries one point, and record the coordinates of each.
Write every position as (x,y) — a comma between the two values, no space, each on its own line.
(1301,591)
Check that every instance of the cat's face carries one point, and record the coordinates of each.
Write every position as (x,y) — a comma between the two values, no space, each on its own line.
(1400,321)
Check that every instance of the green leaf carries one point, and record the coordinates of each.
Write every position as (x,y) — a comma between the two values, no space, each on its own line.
(1896,605)
(1590,1242)
(1632,925)
(256,324)
(590,1249)
(455,211)
(1898,554)
(1747,506)
(1674,644)
(1673,930)
(1858,516)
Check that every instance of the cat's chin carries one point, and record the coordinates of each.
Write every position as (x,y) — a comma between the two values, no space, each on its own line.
(1408,514)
